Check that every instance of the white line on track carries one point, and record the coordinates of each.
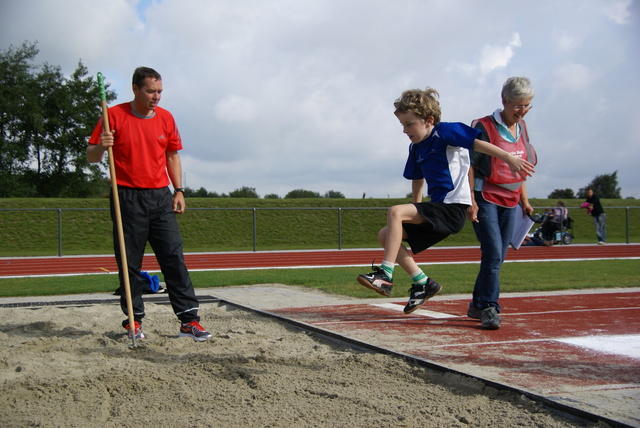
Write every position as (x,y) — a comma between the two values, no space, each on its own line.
(626,344)
(421,312)
(443,315)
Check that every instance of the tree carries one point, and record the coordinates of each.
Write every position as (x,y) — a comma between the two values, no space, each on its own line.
(562,194)
(200,193)
(301,193)
(272,196)
(45,119)
(244,192)
(605,186)
(16,103)
(334,194)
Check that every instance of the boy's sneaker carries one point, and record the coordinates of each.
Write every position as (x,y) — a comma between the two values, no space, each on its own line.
(377,280)
(419,294)
(490,318)
(473,312)
(137,327)
(194,330)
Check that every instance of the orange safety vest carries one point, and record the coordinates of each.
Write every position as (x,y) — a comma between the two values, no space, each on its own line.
(501,187)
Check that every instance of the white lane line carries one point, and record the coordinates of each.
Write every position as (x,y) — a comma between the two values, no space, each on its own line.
(626,344)
(421,312)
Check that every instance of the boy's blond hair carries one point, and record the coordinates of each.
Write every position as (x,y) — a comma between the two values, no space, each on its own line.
(423,104)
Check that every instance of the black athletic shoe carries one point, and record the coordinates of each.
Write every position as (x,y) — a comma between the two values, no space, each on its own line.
(473,312)
(377,280)
(420,294)
(490,318)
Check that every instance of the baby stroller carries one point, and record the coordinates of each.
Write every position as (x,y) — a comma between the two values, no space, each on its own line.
(551,232)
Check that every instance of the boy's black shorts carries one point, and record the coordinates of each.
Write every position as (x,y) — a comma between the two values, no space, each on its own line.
(442,220)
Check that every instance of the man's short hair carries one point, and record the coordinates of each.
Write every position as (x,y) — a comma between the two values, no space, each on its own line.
(142,73)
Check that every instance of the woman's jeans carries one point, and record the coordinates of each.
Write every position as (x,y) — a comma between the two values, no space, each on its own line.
(493,229)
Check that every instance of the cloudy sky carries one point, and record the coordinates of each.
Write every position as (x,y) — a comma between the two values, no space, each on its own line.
(280,95)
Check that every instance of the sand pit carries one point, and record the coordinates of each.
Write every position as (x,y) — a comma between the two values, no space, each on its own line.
(74,367)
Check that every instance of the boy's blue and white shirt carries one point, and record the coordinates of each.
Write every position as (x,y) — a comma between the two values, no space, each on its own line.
(442,160)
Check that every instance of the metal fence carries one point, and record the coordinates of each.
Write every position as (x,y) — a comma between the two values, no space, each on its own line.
(47,230)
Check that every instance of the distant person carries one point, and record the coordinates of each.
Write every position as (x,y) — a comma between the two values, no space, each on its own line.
(594,207)
(439,155)
(554,221)
(560,212)
(145,142)
(496,194)
(534,240)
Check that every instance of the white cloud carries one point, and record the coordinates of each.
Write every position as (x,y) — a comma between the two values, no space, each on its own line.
(566,42)
(618,11)
(235,108)
(495,56)
(575,77)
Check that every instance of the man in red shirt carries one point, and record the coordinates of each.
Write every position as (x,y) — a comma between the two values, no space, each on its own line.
(145,142)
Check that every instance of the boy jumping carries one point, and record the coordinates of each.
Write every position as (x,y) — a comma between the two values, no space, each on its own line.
(439,155)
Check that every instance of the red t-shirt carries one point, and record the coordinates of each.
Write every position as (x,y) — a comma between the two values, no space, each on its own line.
(140,146)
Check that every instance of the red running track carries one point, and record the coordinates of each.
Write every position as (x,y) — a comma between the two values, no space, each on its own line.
(80,265)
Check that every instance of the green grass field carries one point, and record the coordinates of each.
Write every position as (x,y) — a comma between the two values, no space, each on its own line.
(455,278)
(83,226)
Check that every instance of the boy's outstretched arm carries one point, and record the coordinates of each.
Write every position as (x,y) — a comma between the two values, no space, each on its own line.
(517,165)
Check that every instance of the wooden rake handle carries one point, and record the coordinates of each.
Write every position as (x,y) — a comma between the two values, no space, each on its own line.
(118,214)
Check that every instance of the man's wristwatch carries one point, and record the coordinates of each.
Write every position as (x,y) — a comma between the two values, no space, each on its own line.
(178,189)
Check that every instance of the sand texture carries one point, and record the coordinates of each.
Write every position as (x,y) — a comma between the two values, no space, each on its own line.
(74,366)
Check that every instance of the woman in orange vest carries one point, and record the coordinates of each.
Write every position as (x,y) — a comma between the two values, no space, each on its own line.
(496,194)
